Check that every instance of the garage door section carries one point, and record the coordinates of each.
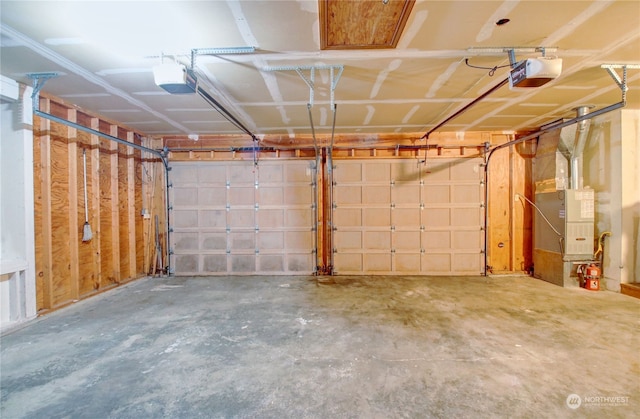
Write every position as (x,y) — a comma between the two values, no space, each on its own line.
(230,218)
(400,216)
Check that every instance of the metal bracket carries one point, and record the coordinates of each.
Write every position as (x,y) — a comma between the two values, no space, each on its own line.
(39,79)
(310,81)
(620,81)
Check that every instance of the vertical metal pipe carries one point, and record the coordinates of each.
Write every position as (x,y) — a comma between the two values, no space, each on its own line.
(581,139)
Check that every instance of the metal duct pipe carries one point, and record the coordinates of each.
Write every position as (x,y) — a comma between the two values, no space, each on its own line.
(576,155)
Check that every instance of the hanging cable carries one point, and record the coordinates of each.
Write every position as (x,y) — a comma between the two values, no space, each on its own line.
(492,70)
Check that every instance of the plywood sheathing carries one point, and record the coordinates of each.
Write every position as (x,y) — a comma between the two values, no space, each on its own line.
(68,269)
(362,24)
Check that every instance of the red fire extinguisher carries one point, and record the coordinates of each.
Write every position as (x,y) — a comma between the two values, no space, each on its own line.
(592,277)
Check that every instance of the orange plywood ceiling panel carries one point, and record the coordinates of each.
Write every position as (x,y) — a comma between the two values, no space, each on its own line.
(368,24)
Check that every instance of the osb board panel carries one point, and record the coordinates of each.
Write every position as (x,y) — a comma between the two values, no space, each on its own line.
(362,24)
(230,217)
(400,216)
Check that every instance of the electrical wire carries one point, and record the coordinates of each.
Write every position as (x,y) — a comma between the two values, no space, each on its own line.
(541,213)
(492,70)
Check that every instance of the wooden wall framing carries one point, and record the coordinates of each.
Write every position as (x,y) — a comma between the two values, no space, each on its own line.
(119,188)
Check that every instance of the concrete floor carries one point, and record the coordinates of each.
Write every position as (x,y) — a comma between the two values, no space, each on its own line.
(349,347)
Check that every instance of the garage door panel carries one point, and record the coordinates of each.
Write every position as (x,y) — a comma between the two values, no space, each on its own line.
(347,216)
(299,173)
(377,262)
(186,241)
(436,194)
(271,240)
(348,263)
(437,263)
(183,175)
(241,196)
(242,218)
(436,172)
(270,173)
(242,240)
(407,240)
(466,263)
(377,217)
(376,194)
(348,240)
(406,217)
(297,240)
(298,195)
(467,239)
(465,217)
(270,218)
(407,263)
(346,195)
(213,263)
(348,172)
(299,217)
(208,196)
(241,264)
(377,240)
(270,195)
(206,174)
(209,219)
(377,172)
(299,263)
(433,217)
(238,174)
(437,217)
(187,263)
(436,240)
(185,218)
(406,194)
(465,170)
(185,197)
(214,241)
(271,263)
(245,220)
(465,194)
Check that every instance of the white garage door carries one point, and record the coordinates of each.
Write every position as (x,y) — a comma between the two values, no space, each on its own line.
(400,216)
(230,218)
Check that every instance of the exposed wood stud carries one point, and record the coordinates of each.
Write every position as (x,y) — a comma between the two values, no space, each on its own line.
(74,229)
